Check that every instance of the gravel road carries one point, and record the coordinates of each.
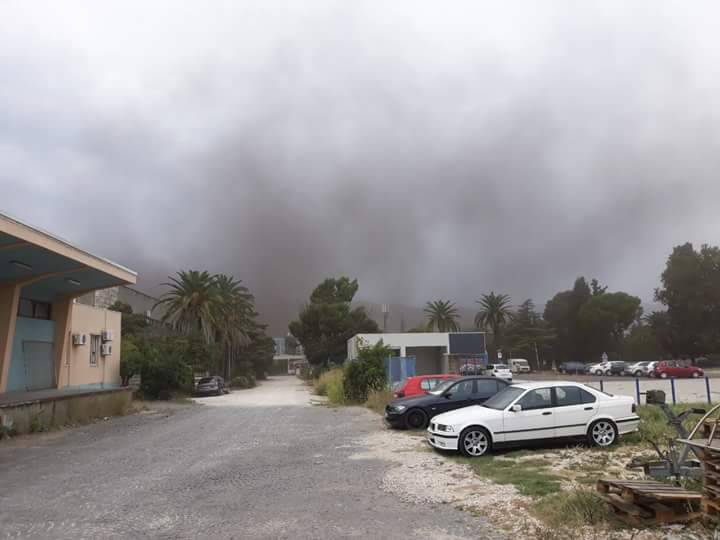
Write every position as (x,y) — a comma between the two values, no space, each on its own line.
(260,463)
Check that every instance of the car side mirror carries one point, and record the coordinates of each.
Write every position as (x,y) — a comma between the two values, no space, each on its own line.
(447,395)
(516,408)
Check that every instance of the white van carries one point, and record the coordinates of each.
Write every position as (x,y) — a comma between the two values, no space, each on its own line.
(519,365)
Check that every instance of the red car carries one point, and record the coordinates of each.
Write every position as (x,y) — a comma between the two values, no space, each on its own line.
(671,368)
(421,384)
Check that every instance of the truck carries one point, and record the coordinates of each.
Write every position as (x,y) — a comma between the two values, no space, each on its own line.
(519,365)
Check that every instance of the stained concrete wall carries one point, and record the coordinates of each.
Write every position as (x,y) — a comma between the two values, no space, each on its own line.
(72,409)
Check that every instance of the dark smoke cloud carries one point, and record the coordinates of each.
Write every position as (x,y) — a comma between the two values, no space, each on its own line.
(431,153)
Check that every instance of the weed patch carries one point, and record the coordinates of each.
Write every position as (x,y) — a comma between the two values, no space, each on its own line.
(576,507)
(530,477)
(378,399)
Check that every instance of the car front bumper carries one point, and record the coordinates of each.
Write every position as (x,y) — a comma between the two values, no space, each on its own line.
(442,441)
(395,420)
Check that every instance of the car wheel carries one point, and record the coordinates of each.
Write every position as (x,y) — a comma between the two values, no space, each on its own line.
(474,442)
(695,374)
(638,373)
(602,433)
(663,375)
(416,419)
(562,371)
(598,372)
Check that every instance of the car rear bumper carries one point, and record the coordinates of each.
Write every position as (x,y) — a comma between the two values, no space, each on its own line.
(628,425)
(442,441)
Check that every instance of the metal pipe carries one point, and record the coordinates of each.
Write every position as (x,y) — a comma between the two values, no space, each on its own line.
(707,389)
(672,388)
(637,390)
(602,388)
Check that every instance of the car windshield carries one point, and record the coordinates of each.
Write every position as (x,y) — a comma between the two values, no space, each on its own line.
(206,380)
(500,366)
(442,387)
(504,398)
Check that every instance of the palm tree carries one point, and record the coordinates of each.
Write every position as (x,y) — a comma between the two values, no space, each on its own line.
(191,302)
(442,314)
(494,313)
(232,318)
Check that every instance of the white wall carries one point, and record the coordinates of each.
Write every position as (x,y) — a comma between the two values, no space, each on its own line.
(398,341)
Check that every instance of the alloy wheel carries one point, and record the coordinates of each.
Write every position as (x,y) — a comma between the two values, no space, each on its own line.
(475,442)
(603,433)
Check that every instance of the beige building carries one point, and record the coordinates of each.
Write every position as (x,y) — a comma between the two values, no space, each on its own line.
(47,340)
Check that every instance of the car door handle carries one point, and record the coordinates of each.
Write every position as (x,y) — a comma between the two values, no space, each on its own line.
(546,413)
(589,408)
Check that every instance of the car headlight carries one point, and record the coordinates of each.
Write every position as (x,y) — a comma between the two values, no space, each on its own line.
(442,427)
(400,408)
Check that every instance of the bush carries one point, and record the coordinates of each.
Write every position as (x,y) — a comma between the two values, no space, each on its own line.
(166,369)
(366,373)
(243,381)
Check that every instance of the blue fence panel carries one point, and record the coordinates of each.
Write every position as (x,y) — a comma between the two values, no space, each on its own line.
(399,368)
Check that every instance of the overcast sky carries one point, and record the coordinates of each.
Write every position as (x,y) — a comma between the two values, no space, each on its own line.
(432,150)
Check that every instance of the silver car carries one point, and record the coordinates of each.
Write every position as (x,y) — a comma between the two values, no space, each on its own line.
(638,369)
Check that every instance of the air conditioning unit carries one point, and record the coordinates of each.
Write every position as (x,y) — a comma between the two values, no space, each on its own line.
(106,349)
(107,336)
(79,339)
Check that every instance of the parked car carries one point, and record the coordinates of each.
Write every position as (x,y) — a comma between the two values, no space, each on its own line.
(519,365)
(211,385)
(501,371)
(415,412)
(603,368)
(672,368)
(472,369)
(572,367)
(421,384)
(638,369)
(535,411)
(616,368)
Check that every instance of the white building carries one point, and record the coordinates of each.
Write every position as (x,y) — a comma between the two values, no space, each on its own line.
(434,352)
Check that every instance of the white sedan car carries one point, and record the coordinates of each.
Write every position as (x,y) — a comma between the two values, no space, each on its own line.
(534,411)
(501,371)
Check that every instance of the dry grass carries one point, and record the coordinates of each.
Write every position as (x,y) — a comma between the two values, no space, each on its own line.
(377,399)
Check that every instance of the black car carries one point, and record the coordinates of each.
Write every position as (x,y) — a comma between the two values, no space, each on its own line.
(211,385)
(415,412)
(572,367)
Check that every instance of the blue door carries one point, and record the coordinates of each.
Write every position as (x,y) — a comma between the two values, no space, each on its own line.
(39,365)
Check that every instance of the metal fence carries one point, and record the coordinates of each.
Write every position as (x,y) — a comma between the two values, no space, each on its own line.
(699,390)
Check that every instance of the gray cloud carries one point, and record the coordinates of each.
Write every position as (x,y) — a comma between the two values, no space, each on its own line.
(430,152)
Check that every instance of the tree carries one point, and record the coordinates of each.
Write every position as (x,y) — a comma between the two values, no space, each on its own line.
(528,336)
(562,313)
(691,293)
(325,324)
(192,302)
(132,323)
(596,288)
(641,344)
(366,373)
(443,315)
(494,313)
(605,318)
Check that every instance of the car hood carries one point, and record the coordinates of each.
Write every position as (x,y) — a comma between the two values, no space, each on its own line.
(467,415)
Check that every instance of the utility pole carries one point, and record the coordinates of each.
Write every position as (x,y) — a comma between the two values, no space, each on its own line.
(385,312)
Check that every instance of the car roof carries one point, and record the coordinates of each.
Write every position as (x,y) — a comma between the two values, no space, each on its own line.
(439,375)
(546,384)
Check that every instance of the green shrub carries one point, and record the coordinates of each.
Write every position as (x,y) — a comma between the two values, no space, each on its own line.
(166,370)
(243,381)
(366,373)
